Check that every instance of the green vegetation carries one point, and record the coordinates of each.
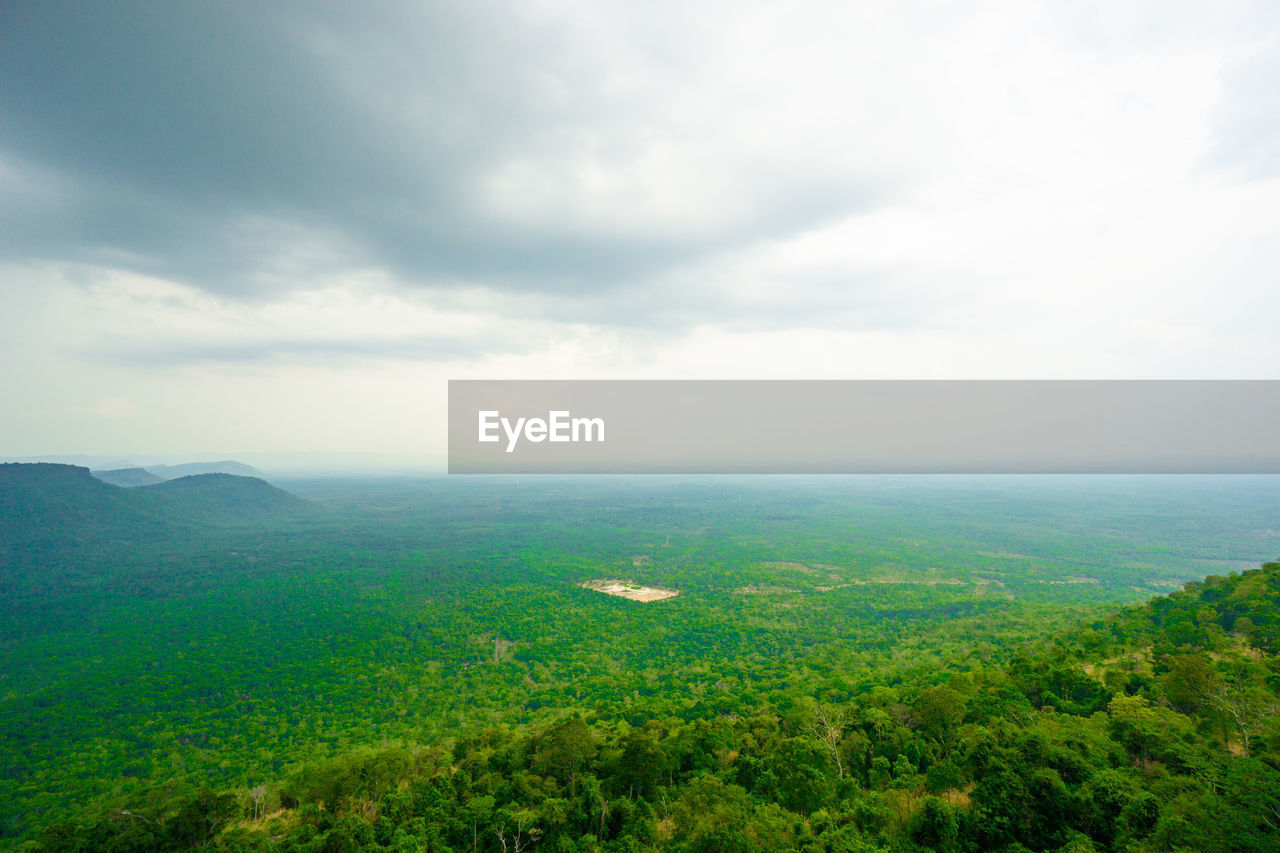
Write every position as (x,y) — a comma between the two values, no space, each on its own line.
(852,664)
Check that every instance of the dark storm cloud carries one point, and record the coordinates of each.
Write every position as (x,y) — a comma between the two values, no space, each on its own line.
(246,147)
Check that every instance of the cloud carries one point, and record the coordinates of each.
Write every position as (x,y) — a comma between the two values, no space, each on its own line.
(275,203)
(336,352)
(571,150)
(1246,127)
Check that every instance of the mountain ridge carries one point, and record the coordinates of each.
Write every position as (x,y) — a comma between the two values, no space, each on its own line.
(127,477)
(46,507)
(225,466)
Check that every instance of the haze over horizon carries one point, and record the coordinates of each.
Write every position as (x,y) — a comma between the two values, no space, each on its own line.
(229,230)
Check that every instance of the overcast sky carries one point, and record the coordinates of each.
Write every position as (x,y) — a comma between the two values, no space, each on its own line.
(229,228)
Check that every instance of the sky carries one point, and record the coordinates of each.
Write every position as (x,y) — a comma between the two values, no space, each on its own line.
(232,228)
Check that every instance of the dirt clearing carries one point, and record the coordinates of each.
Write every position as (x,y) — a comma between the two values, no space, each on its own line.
(627,589)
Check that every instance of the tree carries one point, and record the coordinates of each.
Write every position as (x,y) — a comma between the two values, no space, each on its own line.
(1248,707)
(938,711)
(564,749)
(522,836)
(200,817)
(934,825)
(795,768)
(258,794)
(942,777)
(642,763)
(828,726)
(881,776)
(1189,681)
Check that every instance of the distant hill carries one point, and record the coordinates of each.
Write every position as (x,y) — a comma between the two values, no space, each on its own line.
(227,466)
(216,496)
(46,508)
(44,505)
(128,477)
(1245,605)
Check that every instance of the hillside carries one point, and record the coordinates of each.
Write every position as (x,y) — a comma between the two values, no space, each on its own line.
(221,497)
(1134,733)
(128,477)
(46,509)
(227,466)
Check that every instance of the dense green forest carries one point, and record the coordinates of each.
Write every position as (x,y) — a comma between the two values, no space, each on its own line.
(850,664)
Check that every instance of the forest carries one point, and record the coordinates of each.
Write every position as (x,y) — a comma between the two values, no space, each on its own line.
(850,664)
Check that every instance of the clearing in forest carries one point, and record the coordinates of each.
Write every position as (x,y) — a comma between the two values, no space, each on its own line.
(627,589)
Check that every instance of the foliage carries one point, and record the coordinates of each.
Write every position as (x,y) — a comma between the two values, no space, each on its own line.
(379,671)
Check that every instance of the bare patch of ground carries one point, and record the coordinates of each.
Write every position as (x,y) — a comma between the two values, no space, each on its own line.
(910,581)
(795,567)
(629,590)
(1160,583)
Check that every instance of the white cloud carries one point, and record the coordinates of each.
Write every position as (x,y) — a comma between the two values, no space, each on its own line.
(593,190)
